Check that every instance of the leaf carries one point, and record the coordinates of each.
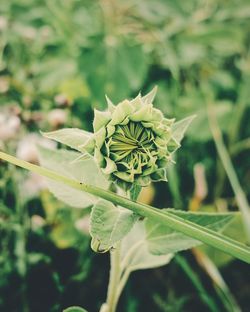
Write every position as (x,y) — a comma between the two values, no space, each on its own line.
(163,240)
(235,230)
(72,137)
(180,127)
(200,130)
(74,309)
(134,251)
(109,224)
(82,170)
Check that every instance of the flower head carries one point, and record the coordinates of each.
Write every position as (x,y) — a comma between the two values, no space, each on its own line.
(132,141)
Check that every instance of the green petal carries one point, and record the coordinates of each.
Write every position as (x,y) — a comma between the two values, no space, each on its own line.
(123,110)
(143,181)
(110,130)
(137,102)
(100,119)
(124,176)
(111,106)
(100,137)
(110,166)
(149,98)
(180,127)
(142,114)
(173,145)
(159,175)
(99,158)
(89,145)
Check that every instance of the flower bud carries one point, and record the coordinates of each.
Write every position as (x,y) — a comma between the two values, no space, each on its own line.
(132,142)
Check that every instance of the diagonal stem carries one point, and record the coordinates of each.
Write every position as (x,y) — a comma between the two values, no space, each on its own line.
(188,228)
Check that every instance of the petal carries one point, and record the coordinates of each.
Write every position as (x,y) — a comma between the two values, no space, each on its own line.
(100,137)
(100,119)
(173,145)
(89,145)
(111,106)
(123,110)
(149,98)
(110,130)
(143,181)
(159,175)
(99,158)
(124,176)
(142,114)
(137,102)
(147,114)
(110,166)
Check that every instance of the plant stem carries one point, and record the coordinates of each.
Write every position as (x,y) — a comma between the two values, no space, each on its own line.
(228,166)
(209,301)
(113,278)
(166,218)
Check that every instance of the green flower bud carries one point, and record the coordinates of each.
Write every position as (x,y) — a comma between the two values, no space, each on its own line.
(133,142)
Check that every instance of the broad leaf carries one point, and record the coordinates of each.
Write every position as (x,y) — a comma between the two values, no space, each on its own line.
(180,127)
(72,137)
(134,251)
(83,170)
(109,224)
(163,240)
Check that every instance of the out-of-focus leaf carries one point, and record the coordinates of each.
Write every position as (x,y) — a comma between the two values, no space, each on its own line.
(116,81)
(236,231)
(200,130)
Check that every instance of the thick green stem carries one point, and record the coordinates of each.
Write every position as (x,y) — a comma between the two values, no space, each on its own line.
(113,278)
(188,228)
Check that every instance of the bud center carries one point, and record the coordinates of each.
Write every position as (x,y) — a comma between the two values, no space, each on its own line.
(132,142)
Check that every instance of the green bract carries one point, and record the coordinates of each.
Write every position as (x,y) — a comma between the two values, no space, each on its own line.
(132,142)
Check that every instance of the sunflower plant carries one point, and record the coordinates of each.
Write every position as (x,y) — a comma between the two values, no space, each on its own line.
(132,145)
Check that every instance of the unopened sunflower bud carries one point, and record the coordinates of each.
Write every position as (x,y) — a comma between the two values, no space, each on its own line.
(133,142)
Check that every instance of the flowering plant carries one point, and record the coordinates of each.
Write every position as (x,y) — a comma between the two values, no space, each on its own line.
(132,141)
(132,145)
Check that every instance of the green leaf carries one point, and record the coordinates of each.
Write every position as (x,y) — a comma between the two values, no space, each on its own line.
(100,119)
(109,224)
(180,127)
(134,251)
(82,170)
(200,130)
(74,309)
(72,137)
(163,240)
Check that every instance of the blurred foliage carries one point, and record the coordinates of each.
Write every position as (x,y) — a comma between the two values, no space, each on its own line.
(58,59)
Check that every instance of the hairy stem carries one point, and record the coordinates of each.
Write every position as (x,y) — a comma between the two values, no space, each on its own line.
(188,228)
(113,278)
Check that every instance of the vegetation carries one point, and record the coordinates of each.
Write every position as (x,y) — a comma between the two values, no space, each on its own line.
(58,60)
